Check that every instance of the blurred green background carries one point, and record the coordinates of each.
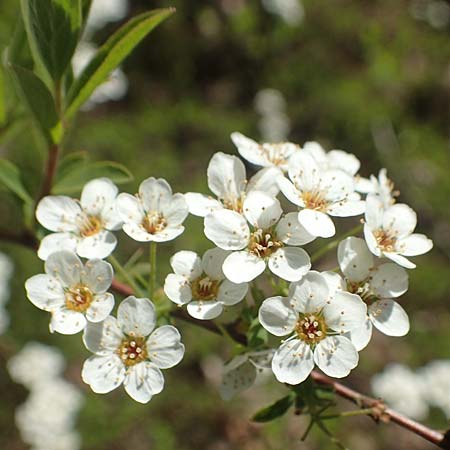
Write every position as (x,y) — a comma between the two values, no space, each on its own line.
(372,78)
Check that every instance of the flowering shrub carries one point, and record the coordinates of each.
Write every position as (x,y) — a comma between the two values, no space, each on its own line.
(257,285)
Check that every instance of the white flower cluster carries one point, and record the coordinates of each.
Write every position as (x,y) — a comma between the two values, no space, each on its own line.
(414,392)
(46,420)
(6,270)
(324,318)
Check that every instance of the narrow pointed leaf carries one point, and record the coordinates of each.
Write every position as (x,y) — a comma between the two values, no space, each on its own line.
(10,178)
(275,410)
(110,55)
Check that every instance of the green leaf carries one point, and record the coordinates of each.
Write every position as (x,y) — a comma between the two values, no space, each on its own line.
(74,180)
(3,113)
(256,335)
(10,178)
(71,162)
(275,410)
(53,28)
(110,55)
(39,100)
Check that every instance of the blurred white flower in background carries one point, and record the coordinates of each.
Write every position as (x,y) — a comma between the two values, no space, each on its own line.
(47,419)
(114,88)
(6,270)
(291,11)
(436,383)
(435,12)
(105,11)
(274,124)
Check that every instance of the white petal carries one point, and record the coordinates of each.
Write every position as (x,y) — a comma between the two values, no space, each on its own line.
(261,209)
(129,208)
(338,186)
(100,308)
(227,229)
(371,242)
(316,151)
(277,316)
(167,234)
(154,193)
(143,381)
(103,338)
(293,362)
(355,259)
(99,245)
(290,263)
(310,294)
(176,210)
(304,171)
(201,205)
(164,347)
(389,281)
(242,267)
(401,219)
(226,176)
(389,317)
(56,242)
(413,245)
(186,263)
(336,356)
(66,267)
(45,292)
(97,195)
(400,260)
(374,212)
(347,208)
(334,282)
(249,149)
(58,213)
(178,289)
(66,321)
(103,373)
(97,275)
(347,162)
(345,312)
(205,310)
(212,263)
(136,316)
(137,232)
(317,223)
(361,336)
(237,377)
(231,293)
(290,231)
(266,180)
(290,191)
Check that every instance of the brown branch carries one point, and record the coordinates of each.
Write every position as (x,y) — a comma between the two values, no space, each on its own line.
(50,171)
(381,413)
(26,238)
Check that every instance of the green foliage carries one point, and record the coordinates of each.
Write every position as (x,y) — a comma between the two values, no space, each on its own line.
(53,28)
(275,410)
(80,174)
(39,101)
(110,55)
(10,178)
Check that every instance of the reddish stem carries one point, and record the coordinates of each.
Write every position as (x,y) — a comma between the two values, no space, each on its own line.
(50,171)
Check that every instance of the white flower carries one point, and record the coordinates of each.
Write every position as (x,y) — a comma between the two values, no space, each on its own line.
(389,232)
(265,154)
(201,284)
(113,88)
(72,292)
(35,363)
(125,353)
(82,226)
(154,214)
(227,180)
(315,319)
(435,378)
(104,11)
(402,390)
(381,187)
(241,372)
(270,240)
(376,285)
(291,11)
(320,193)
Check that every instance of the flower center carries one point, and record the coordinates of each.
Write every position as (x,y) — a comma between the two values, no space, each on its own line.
(234,203)
(154,222)
(263,243)
(385,240)
(363,290)
(78,298)
(314,200)
(203,288)
(274,153)
(132,350)
(90,225)
(311,328)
